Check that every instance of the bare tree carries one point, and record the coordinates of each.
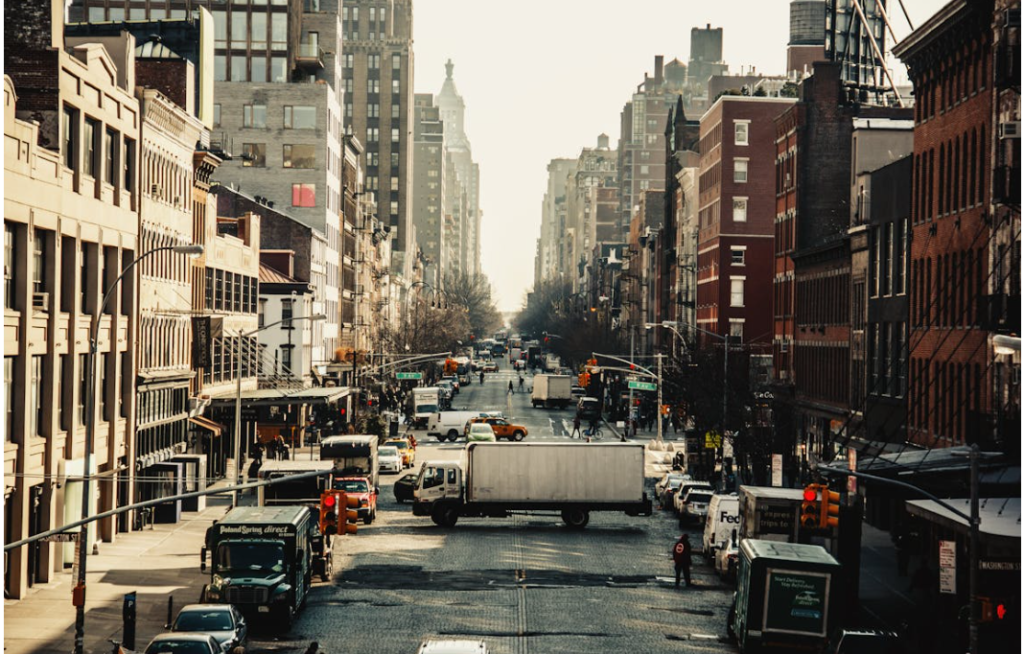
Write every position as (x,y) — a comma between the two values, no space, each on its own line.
(473,294)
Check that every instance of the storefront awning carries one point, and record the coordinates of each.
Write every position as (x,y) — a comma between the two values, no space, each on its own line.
(283,396)
(1000,517)
(208,424)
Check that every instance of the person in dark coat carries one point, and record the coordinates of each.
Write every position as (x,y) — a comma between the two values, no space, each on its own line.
(511,388)
(576,428)
(681,553)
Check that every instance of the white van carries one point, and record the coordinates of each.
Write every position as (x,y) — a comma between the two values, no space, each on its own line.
(449,425)
(723,518)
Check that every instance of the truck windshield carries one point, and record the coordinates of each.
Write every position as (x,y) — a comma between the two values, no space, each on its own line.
(237,557)
(426,408)
(430,477)
(351,485)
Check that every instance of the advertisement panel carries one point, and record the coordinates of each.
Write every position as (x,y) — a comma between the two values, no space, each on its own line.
(796,602)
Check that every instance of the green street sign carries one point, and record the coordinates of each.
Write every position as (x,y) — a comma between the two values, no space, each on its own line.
(643,386)
(409,375)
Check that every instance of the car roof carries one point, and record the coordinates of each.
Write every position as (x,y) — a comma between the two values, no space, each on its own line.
(197,636)
(453,647)
(205,607)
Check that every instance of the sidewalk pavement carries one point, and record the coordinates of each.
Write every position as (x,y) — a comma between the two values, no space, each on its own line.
(159,563)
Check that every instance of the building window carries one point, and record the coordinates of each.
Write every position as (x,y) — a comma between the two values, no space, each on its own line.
(299,117)
(736,330)
(736,291)
(739,171)
(396,86)
(373,60)
(69,130)
(9,388)
(299,156)
(255,116)
(287,312)
(742,132)
(39,262)
(373,86)
(36,399)
(739,210)
(129,166)
(279,31)
(394,134)
(258,31)
(83,386)
(259,68)
(9,253)
(220,29)
(261,313)
(739,256)
(303,195)
(254,155)
(239,68)
(238,30)
(89,143)
(220,68)
(396,61)
(278,70)
(286,358)
(216,114)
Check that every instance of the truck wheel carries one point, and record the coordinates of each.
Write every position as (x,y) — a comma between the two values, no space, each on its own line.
(449,517)
(518,435)
(452,435)
(575,518)
(368,520)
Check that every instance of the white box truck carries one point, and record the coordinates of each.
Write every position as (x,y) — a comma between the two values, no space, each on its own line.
(568,479)
(424,405)
(552,391)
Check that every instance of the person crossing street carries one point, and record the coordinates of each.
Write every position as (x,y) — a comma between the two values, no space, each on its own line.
(511,388)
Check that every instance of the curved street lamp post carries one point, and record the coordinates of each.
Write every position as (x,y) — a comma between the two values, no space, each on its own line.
(90,432)
(238,395)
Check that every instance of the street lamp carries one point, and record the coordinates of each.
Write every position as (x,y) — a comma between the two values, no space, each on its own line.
(90,431)
(238,393)
(671,324)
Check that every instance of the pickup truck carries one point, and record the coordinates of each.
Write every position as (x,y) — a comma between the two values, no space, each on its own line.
(366,492)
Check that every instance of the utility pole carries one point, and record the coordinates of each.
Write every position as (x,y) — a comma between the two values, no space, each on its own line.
(725,405)
(975,543)
(629,409)
(658,414)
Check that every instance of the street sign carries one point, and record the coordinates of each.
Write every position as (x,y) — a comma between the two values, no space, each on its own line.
(712,440)
(776,470)
(643,386)
(66,537)
(408,375)
(947,567)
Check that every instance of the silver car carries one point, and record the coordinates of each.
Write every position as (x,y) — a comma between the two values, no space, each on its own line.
(190,643)
(222,621)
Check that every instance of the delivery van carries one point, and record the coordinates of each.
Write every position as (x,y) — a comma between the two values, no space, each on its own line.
(723,518)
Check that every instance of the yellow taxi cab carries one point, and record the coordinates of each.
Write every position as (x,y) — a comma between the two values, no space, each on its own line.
(405,448)
(502,428)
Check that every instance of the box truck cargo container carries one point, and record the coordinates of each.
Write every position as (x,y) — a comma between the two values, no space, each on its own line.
(567,479)
(551,391)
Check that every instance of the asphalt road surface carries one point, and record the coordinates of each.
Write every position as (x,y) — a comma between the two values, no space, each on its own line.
(522,584)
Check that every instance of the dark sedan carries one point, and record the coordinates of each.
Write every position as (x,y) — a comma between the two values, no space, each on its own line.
(404,486)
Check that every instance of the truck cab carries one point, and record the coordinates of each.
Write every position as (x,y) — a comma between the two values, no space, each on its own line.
(263,560)
(437,482)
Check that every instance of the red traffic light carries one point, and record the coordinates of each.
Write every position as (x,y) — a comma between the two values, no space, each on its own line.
(810,495)
(1000,611)
(329,501)
(341,411)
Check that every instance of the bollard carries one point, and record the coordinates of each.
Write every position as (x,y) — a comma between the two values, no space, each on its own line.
(170,611)
(128,617)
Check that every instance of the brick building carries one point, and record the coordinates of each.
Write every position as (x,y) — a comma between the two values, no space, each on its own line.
(812,340)
(950,396)
(734,260)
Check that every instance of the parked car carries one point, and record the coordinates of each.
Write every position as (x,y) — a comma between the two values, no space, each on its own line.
(686,487)
(452,647)
(455,382)
(365,491)
(222,621)
(659,487)
(406,449)
(868,641)
(184,643)
(480,432)
(694,506)
(389,459)
(502,428)
(727,556)
(404,487)
(668,493)
(490,366)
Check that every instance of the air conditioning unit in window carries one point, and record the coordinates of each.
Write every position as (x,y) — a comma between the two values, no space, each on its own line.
(40,301)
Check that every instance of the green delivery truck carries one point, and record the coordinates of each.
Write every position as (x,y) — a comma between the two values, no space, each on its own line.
(786,597)
(263,560)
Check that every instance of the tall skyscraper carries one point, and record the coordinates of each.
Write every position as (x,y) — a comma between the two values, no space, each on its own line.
(429,187)
(453,113)
(377,70)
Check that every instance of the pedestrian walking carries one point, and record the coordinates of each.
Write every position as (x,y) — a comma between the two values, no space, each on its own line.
(576,428)
(314,648)
(511,388)
(681,553)
(520,382)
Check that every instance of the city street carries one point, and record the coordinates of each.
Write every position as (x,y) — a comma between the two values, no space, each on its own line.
(522,584)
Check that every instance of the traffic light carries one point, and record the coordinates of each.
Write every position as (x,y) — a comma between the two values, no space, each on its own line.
(829,507)
(348,504)
(810,508)
(994,609)
(328,513)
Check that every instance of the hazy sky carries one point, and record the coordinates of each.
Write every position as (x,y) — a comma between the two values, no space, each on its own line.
(542,78)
